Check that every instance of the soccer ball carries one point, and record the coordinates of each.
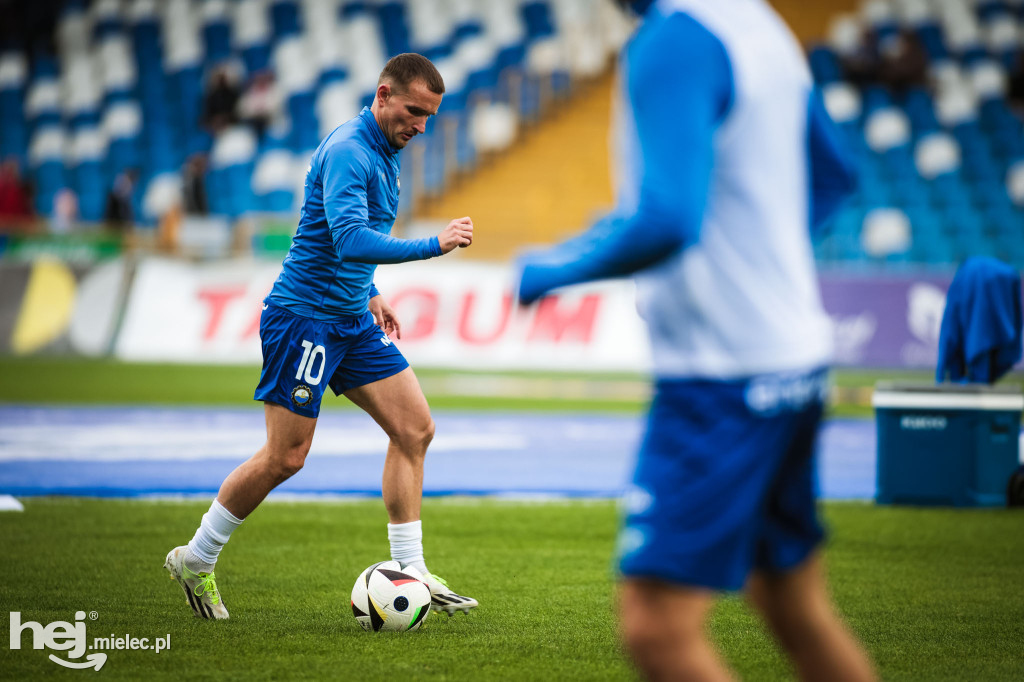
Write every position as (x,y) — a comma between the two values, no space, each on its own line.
(389,597)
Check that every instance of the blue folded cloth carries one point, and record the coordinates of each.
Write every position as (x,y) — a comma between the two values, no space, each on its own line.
(980,338)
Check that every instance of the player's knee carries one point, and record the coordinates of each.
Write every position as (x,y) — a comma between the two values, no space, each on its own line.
(290,461)
(415,435)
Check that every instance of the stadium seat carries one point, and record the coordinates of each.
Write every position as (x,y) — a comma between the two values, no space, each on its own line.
(46,165)
(231,165)
(13,128)
(886,232)
(335,104)
(85,170)
(274,181)
(216,30)
(1015,183)
(122,126)
(936,154)
(887,128)
(162,193)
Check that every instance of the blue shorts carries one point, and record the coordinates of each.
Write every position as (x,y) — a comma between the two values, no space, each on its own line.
(725,481)
(301,356)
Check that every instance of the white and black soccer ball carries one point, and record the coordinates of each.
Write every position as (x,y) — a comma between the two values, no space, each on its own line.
(389,597)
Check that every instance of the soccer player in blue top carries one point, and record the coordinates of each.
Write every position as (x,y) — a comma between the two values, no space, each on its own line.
(728,161)
(325,324)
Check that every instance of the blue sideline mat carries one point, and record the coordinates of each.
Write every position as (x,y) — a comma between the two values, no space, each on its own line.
(128,452)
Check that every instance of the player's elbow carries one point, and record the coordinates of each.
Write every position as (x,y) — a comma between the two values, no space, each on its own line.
(666,233)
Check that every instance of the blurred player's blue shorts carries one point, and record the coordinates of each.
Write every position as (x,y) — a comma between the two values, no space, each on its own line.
(725,481)
(302,356)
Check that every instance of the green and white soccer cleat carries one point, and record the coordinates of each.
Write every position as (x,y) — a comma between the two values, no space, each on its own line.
(200,588)
(443,599)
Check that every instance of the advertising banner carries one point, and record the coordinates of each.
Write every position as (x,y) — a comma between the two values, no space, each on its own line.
(462,315)
(49,306)
(452,315)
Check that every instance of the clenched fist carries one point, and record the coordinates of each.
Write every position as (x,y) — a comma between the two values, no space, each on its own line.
(458,233)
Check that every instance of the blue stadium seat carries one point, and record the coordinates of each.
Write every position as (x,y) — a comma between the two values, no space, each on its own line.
(932,40)
(284,18)
(217,39)
(394,27)
(921,111)
(537,16)
(825,65)
(305,129)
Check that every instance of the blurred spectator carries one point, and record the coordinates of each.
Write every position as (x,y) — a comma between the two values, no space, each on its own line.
(220,102)
(120,211)
(897,62)
(65,211)
(14,198)
(193,181)
(1015,90)
(30,26)
(904,62)
(261,104)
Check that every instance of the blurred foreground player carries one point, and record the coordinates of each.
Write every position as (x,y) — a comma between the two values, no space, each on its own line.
(324,323)
(728,160)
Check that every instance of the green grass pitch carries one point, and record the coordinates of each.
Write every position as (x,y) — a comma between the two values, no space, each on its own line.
(935,594)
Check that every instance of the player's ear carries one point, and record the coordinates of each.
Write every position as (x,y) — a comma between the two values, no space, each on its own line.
(383,92)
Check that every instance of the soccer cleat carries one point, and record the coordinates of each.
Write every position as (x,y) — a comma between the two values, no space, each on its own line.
(200,588)
(443,599)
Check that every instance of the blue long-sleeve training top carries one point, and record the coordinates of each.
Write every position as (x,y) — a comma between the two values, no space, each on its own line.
(350,205)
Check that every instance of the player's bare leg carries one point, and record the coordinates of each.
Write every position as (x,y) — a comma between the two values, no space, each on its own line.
(397,404)
(797,607)
(289,437)
(663,628)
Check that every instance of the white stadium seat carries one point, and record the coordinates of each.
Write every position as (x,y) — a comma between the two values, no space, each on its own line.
(988,79)
(88,144)
(13,71)
(885,231)
(843,101)
(936,154)
(117,64)
(844,34)
(251,25)
(493,127)
(274,171)
(335,104)
(235,145)
(122,120)
(162,194)
(47,144)
(1015,182)
(43,96)
(887,128)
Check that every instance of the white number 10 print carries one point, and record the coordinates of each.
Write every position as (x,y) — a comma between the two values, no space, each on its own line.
(309,354)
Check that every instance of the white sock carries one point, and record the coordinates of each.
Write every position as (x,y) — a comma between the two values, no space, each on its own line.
(407,544)
(210,538)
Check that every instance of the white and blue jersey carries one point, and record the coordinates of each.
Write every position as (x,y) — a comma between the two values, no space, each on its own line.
(350,205)
(727,160)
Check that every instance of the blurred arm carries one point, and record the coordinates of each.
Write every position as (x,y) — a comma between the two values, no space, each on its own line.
(832,175)
(679,88)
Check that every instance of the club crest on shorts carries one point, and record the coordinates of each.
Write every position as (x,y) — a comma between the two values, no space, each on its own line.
(301,395)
